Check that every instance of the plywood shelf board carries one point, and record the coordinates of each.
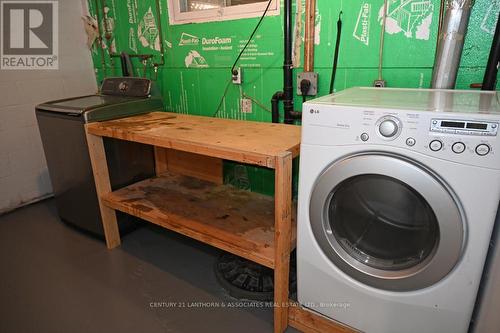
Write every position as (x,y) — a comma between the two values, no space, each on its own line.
(242,141)
(237,221)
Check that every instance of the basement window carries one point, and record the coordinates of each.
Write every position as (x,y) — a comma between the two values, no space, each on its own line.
(195,11)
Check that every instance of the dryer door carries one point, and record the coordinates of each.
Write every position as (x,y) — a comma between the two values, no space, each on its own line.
(387,221)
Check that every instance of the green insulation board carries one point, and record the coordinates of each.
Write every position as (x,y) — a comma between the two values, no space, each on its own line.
(194,72)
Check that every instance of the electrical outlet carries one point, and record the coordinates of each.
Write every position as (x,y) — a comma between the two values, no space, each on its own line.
(379,83)
(312,77)
(237,75)
(246,105)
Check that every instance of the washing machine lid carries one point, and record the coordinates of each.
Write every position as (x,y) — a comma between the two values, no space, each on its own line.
(79,105)
(387,221)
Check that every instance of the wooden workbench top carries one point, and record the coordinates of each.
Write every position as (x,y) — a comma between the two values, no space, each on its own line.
(236,140)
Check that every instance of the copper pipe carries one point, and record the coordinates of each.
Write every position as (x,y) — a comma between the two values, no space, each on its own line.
(309,35)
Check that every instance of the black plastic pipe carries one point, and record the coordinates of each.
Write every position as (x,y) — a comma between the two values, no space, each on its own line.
(490,75)
(126,64)
(275,106)
(287,94)
(336,53)
(288,65)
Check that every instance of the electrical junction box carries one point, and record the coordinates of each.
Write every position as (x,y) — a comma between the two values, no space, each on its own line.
(237,75)
(313,78)
(379,83)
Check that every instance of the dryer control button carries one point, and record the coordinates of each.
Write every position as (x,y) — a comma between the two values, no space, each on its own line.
(364,136)
(483,149)
(458,147)
(388,128)
(435,145)
(410,142)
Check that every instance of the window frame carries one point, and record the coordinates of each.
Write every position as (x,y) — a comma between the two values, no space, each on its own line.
(177,17)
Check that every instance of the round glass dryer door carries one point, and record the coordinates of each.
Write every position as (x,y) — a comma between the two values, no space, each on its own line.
(387,221)
(382,222)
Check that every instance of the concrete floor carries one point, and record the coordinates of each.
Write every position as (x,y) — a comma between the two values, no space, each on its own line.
(55,279)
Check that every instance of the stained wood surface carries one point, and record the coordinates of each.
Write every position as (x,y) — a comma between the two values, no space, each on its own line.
(103,186)
(240,222)
(161,160)
(310,322)
(282,238)
(189,164)
(242,141)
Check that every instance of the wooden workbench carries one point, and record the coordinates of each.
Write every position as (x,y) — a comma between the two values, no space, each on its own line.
(187,194)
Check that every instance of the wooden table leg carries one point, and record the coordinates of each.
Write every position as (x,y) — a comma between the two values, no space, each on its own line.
(282,238)
(103,186)
(161,160)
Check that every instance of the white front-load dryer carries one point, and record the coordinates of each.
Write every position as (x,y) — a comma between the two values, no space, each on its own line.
(398,192)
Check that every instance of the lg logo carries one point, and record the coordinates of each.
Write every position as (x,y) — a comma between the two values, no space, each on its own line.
(29,34)
(123,86)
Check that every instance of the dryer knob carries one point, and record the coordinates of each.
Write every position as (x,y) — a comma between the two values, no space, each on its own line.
(388,128)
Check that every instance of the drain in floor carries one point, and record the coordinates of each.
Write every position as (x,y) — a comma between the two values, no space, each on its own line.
(246,280)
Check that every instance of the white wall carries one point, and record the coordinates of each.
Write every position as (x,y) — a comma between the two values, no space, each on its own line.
(23,171)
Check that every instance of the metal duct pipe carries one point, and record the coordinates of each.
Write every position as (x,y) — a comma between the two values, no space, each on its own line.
(450,43)
(309,35)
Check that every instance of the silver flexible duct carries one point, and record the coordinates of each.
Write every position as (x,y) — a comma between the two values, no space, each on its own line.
(450,43)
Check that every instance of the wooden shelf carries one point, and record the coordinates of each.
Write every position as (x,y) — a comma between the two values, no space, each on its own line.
(237,221)
(253,226)
(241,141)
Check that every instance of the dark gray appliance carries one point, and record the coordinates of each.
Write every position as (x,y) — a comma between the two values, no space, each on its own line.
(61,125)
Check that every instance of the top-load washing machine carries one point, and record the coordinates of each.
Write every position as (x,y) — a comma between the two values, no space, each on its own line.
(62,129)
(398,193)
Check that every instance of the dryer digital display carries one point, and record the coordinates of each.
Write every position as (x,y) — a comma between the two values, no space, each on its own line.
(477,126)
(464,127)
(453,124)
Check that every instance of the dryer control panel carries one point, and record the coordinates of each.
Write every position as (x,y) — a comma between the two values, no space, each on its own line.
(463,138)
(462,129)
(452,125)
